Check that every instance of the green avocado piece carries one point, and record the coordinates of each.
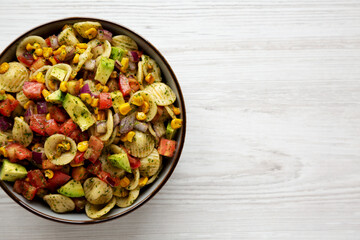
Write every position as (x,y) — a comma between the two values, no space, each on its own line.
(56,97)
(117,53)
(120,160)
(104,70)
(117,99)
(170,132)
(58,74)
(78,112)
(12,171)
(72,189)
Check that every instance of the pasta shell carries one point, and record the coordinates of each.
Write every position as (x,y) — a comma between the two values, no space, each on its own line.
(112,137)
(153,178)
(142,144)
(159,128)
(13,80)
(97,211)
(67,37)
(51,145)
(129,200)
(59,203)
(82,27)
(140,73)
(97,191)
(21,132)
(135,181)
(20,96)
(107,167)
(43,70)
(150,66)
(21,48)
(62,66)
(150,164)
(118,191)
(87,55)
(162,93)
(109,127)
(124,42)
(152,105)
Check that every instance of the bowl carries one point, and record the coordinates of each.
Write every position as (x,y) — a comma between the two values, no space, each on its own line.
(41,208)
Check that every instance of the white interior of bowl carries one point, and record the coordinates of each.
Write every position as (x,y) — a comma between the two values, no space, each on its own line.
(55,28)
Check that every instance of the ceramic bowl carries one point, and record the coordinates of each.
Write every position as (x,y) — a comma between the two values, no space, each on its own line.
(39,207)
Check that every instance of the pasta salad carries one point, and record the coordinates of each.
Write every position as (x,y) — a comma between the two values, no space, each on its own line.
(85,120)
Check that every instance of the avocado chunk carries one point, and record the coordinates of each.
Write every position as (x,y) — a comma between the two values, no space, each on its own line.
(78,112)
(117,99)
(120,160)
(12,171)
(117,53)
(58,74)
(170,132)
(72,189)
(56,97)
(104,70)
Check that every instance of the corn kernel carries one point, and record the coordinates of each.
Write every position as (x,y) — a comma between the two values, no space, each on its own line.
(124,108)
(105,89)
(36,145)
(73,75)
(145,107)
(76,58)
(36,46)
(176,110)
(91,33)
(124,64)
(82,146)
(35,57)
(143,181)
(81,81)
(176,123)
(100,116)
(47,52)
(64,86)
(99,87)
(94,102)
(49,174)
(149,78)
(52,60)
(79,50)
(82,45)
(137,100)
(130,136)
(29,47)
(62,55)
(40,78)
(140,116)
(48,116)
(86,97)
(3,151)
(124,182)
(39,52)
(45,93)
(28,104)
(150,67)
(114,74)
(22,118)
(96,110)
(63,146)
(10,97)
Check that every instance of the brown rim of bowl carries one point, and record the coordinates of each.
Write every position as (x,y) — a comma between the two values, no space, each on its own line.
(175,158)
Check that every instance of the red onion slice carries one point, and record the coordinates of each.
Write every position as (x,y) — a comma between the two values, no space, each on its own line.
(42,108)
(104,35)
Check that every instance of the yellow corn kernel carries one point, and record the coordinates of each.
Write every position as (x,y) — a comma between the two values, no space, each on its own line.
(34,56)
(137,100)
(4,67)
(105,89)
(64,86)
(150,67)
(10,97)
(113,74)
(73,75)
(124,64)
(36,46)
(140,116)
(76,58)
(49,174)
(63,146)
(149,78)
(48,116)
(99,87)
(124,182)
(145,107)
(96,110)
(94,102)
(86,97)
(91,33)
(124,108)
(176,110)
(21,117)
(47,52)
(29,47)
(79,50)
(130,136)
(58,51)
(40,78)
(2,91)
(82,146)
(36,145)
(81,81)
(143,181)
(3,151)
(100,116)
(52,60)
(39,52)
(176,123)
(82,45)
(62,55)
(45,93)
(28,104)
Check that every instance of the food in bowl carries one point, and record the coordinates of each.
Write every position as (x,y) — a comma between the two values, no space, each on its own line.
(85,120)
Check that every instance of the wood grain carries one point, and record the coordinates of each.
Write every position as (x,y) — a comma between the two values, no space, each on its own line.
(273,138)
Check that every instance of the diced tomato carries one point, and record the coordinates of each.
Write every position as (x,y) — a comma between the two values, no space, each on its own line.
(19,186)
(68,127)
(40,62)
(83,136)
(51,127)
(134,162)
(47,164)
(47,41)
(57,113)
(79,173)
(57,180)
(27,59)
(37,123)
(76,134)
(79,158)
(7,106)
(124,85)
(106,177)
(105,101)
(94,150)
(94,168)
(32,90)
(134,84)
(166,147)
(16,152)
(36,178)
(29,191)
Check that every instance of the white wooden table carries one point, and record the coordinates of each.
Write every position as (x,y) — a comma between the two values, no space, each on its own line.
(273,140)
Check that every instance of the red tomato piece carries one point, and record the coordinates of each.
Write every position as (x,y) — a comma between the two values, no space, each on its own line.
(47,164)
(16,152)
(29,191)
(19,186)
(37,123)
(47,41)
(94,168)
(57,180)
(124,85)
(51,127)
(105,101)
(106,177)
(134,162)
(32,90)
(79,158)
(75,135)
(166,147)
(134,84)
(27,59)
(79,173)
(94,150)
(7,106)
(68,127)
(36,178)
(40,62)
(57,113)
